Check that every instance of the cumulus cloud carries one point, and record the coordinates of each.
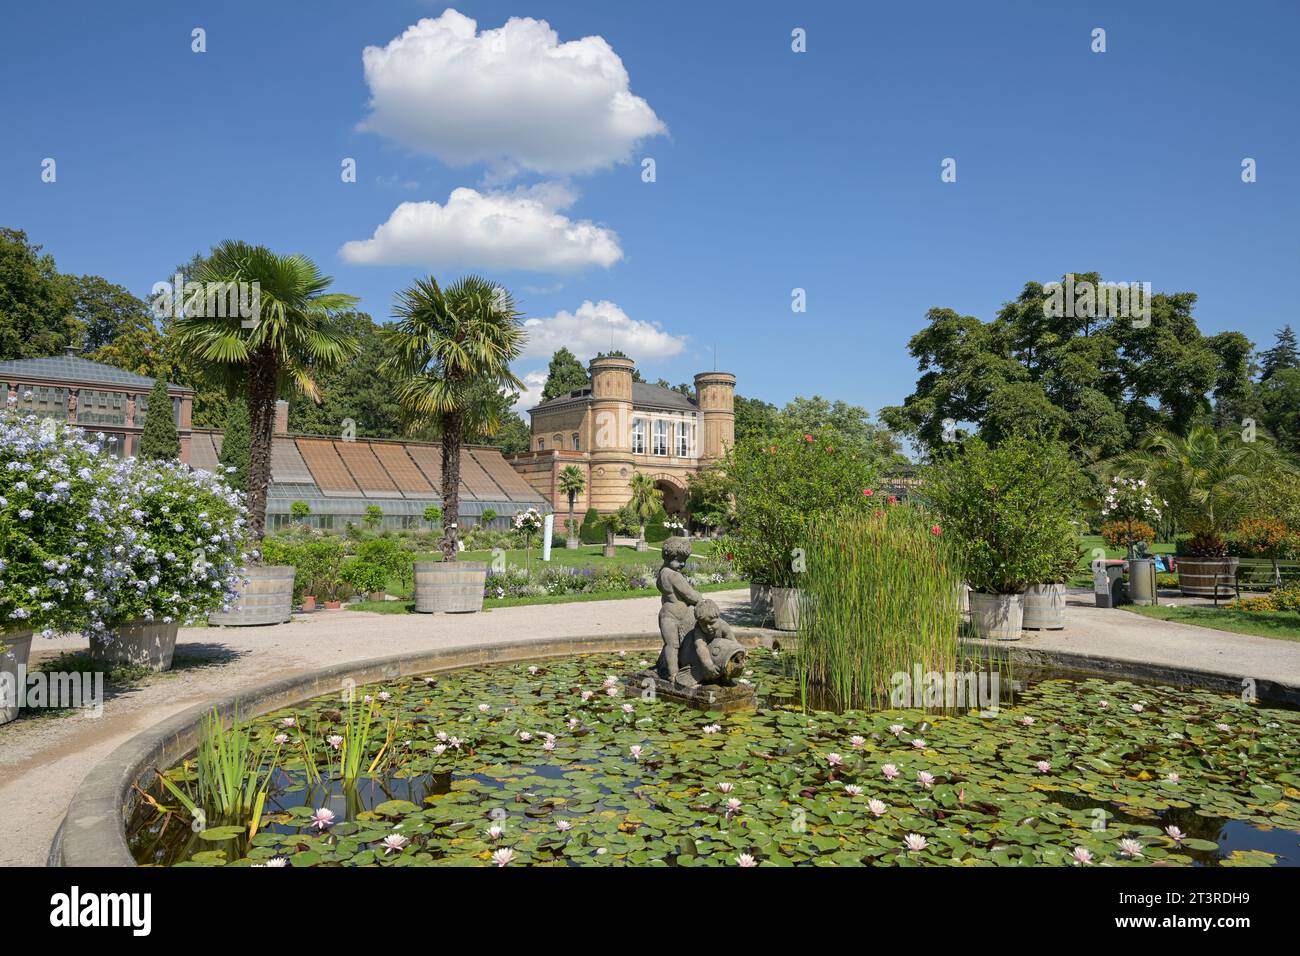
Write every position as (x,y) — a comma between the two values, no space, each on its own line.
(531,395)
(520,229)
(598,327)
(515,97)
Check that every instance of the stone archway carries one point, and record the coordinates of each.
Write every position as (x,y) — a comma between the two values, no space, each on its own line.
(674,490)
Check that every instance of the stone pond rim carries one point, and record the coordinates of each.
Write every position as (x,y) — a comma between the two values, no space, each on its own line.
(93,832)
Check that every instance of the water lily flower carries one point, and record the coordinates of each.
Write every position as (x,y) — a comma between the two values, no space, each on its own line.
(896,729)
(586,695)
(853,790)
(334,740)
(1175,834)
(628,709)
(918,743)
(394,842)
(877,807)
(441,735)
(484,708)
(288,722)
(635,751)
(439,750)
(276,861)
(385,697)
(1027,721)
(281,739)
(1172,777)
(525,736)
(1223,727)
(573,723)
(1130,848)
(503,856)
(857,742)
(1081,856)
(495,831)
(711,728)
(726,787)
(611,681)
(533,670)
(1137,708)
(322,818)
(611,692)
(1043,766)
(453,742)
(915,842)
(1104,705)
(890,771)
(733,806)
(549,744)
(925,778)
(746,860)
(835,760)
(563,825)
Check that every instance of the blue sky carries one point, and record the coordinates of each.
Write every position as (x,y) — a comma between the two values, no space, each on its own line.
(774,170)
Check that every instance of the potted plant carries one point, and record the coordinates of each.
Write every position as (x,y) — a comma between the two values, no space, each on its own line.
(1007,509)
(179,561)
(782,485)
(365,577)
(58,519)
(527,523)
(571,484)
(645,501)
(1208,479)
(452,350)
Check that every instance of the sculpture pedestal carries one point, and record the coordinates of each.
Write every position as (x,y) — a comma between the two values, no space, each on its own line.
(716,697)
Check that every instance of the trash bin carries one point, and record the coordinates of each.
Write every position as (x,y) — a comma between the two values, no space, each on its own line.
(1108,582)
(1142,581)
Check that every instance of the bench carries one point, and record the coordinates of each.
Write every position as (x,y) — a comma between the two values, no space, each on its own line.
(1256,574)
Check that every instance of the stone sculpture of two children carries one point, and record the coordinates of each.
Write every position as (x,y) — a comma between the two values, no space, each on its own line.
(699,647)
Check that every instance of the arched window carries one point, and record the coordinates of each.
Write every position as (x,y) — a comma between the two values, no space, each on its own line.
(577,443)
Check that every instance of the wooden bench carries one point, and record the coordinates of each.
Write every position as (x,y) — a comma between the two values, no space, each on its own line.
(1256,574)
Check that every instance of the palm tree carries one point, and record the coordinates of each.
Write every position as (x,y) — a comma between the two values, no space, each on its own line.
(1209,478)
(296,333)
(572,484)
(446,343)
(645,500)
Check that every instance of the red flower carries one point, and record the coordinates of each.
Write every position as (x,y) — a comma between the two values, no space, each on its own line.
(728,555)
(867,492)
(934,530)
(879,513)
(893,499)
(808,439)
(830,448)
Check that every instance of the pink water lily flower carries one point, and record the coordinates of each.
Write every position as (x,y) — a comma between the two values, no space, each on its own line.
(890,771)
(733,806)
(925,778)
(1027,721)
(484,708)
(835,760)
(635,751)
(563,825)
(288,722)
(853,790)
(1081,856)
(525,736)
(726,787)
(322,818)
(1175,834)
(1130,848)
(896,729)
(586,695)
(394,843)
(503,856)
(915,842)
(334,740)
(918,743)
(746,860)
(1043,766)
(629,709)
(857,742)
(281,739)
(495,831)
(877,807)
(1172,777)
(548,744)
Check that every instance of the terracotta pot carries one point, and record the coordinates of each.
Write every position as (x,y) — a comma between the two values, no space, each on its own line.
(376,595)
(147,643)
(333,605)
(309,602)
(15,648)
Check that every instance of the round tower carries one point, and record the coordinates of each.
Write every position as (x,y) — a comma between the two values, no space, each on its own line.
(716,394)
(611,429)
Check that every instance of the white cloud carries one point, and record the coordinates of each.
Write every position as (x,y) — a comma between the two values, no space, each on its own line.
(598,327)
(515,97)
(521,229)
(531,395)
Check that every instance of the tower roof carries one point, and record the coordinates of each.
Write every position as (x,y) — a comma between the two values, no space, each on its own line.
(643,395)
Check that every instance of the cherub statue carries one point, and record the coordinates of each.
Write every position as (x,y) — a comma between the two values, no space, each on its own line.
(709,653)
(677,599)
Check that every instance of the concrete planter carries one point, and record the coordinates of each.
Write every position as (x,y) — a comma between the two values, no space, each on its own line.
(15,648)
(760,602)
(449,587)
(265,598)
(1196,576)
(572,544)
(1045,607)
(997,617)
(785,609)
(147,643)
(963,599)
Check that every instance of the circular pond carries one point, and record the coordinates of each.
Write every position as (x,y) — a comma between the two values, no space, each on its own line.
(550,764)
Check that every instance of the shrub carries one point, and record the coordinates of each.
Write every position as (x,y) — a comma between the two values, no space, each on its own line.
(317,563)
(1265,538)
(783,486)
(1203,544)
(236,446)
(1011,510)
(1127,533)
(879,597)
(363,576)
(299,510)
(592,531)
(159,440)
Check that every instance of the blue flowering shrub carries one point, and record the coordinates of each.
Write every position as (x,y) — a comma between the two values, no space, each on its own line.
(89,541)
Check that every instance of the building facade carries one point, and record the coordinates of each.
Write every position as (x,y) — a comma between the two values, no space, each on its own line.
(618,427)
(92,396)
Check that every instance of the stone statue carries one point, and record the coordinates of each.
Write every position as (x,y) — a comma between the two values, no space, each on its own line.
(699,647)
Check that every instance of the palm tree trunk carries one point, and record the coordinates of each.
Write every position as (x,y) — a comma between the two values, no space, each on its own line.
(568,528)
(451,435)
(261,422)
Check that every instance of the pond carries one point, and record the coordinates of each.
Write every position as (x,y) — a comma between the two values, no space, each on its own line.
(549,764)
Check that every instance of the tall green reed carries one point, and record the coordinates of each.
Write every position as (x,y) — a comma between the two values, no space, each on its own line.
(879,596)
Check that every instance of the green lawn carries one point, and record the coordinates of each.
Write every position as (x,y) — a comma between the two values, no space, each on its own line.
(588,555)
(408,607)
(1090,542)
(1284,625)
